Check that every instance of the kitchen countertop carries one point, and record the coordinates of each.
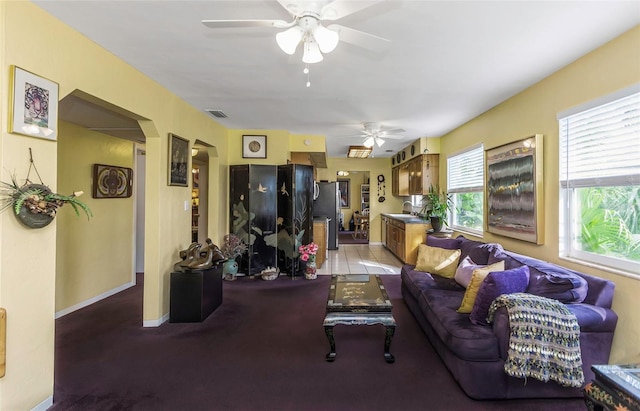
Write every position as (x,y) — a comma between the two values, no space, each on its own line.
(406,218)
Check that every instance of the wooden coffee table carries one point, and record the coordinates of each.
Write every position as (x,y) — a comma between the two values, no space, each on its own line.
(358,299)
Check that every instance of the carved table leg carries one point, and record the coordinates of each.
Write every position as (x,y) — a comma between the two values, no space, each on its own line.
(328,329)
(390,330)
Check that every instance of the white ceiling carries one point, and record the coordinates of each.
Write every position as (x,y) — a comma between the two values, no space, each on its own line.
(447,62)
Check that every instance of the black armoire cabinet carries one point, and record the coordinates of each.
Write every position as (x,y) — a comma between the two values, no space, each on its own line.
(295,214)
(253,214)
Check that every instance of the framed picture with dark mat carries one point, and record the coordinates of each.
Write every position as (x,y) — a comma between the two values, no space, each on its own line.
(111,181)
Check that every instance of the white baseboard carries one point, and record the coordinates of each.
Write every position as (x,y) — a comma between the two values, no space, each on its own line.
(44,405)
(156,323)
(95,299)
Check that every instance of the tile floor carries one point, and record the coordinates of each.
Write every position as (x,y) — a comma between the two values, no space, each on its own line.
(360,259)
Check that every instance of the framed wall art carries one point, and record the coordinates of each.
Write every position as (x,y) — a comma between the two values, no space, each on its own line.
(514,190)
(34,105)
(111,181)
(343,186)
(254,146)
(179,155)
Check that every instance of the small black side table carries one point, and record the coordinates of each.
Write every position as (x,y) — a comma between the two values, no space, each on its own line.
(194,294)
(616,387)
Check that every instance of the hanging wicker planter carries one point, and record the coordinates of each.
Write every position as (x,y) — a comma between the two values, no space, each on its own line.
(28,216)
(35,205)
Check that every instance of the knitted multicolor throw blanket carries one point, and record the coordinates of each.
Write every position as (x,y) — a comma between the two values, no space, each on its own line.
(544,341)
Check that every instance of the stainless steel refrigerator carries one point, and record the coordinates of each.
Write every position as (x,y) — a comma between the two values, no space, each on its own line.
(328,205)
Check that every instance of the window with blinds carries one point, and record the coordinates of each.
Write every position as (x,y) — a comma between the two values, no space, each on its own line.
(600,181)
(465,182)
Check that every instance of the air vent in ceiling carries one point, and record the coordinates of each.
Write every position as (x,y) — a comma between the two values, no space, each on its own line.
(217,113)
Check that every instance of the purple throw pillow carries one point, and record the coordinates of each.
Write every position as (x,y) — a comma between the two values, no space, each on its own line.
(464,272)
(493,286)
(447,243)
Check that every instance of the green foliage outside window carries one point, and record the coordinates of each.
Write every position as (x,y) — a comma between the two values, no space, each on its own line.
(469,211)
(610,221)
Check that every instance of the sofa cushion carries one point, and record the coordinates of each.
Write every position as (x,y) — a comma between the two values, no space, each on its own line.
(564,287)
(500,255)
(547,279)
(436,260)
(417,281)
(448,243)
(465,271)
(478,251)
(494,285)
(478,276)
(466,340)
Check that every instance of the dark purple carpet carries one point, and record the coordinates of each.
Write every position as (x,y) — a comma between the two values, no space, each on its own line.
(263,349)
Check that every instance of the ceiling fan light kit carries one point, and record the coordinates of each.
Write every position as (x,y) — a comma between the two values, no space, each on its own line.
(307,27)
(288,40)
(311,52)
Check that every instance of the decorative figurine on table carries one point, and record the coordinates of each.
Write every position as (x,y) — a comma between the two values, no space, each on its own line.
(197,258)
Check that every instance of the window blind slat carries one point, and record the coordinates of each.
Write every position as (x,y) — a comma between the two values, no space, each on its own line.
(603,142)
(465,171)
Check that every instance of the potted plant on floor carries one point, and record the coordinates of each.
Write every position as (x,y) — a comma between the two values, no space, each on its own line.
(232,248)
(436,205)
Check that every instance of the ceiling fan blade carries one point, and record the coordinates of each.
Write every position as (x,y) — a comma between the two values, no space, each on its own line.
(392,130)
(224,24)
(392,136)
(360,38)
(291,7)
(338,9)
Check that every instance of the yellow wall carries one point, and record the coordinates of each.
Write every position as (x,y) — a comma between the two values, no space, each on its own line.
(28,263)
(95,256)
(614,66)
(277,147)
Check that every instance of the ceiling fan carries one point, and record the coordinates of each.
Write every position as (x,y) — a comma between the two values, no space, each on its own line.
(375,133)
(307,27)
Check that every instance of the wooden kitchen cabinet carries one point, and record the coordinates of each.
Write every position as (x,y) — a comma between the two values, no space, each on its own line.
(416,175)
(403,239)
(320,238)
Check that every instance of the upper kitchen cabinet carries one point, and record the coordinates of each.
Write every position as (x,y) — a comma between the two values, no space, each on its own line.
(416,175)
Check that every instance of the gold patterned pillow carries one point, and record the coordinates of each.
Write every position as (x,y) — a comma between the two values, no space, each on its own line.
(436,260)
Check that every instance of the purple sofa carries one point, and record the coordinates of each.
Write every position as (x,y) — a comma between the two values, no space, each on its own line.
(475,354)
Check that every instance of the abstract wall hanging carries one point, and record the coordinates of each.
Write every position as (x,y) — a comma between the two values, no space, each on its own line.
(34,105)
(111,181)
(514,190)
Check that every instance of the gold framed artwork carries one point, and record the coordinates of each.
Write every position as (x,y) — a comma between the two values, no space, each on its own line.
(179,155)
(514,187)
(254,146)
(111,181)
(33,105)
